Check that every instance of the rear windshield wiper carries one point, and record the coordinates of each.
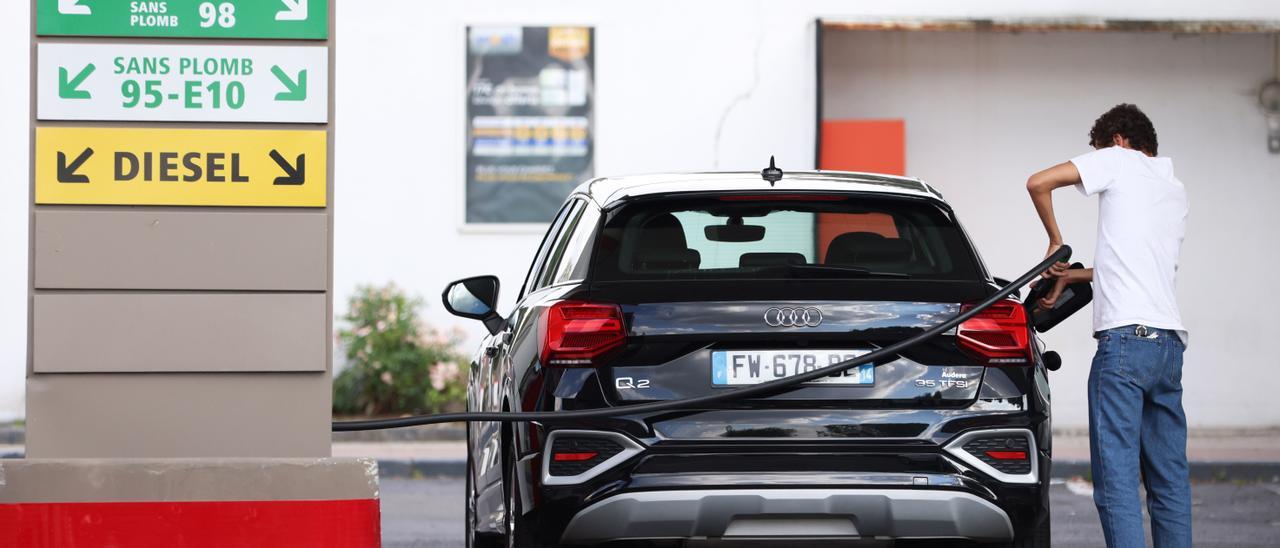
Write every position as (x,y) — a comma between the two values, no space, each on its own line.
(840,270)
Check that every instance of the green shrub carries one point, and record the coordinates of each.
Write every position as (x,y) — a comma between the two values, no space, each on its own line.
(396,364)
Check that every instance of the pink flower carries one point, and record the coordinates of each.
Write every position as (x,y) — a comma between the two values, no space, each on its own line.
(442,373)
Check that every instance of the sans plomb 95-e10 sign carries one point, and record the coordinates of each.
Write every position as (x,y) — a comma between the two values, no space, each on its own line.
(188,83)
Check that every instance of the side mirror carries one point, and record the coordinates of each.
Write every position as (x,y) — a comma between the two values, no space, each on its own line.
(475,298)
(1074,297)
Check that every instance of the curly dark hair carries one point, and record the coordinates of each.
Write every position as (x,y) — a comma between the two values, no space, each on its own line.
(1129,121)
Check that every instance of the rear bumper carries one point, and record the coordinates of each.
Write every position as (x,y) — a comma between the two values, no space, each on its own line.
(789,513)
(909,489)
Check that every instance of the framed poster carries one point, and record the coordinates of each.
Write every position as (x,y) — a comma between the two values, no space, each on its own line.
(530,96)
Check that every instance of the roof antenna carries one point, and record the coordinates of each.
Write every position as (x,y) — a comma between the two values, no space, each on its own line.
(771,173)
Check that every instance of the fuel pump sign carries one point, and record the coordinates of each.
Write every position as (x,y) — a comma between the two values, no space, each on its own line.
(278,19)
(180,167)
(147,82)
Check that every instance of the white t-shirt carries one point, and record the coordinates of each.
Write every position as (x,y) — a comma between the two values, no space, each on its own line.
(1142,219)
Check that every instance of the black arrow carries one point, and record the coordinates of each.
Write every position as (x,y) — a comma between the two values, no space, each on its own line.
(67,173)
(292,176)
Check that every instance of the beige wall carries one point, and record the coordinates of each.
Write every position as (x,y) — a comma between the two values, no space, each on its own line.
(985,110)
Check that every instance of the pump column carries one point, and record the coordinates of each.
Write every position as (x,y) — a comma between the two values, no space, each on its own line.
(181,274)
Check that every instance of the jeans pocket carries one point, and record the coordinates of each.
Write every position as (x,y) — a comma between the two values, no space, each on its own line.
(1105,348)
(1154,341)
(1110,355)
(1174,361)
(1141,358)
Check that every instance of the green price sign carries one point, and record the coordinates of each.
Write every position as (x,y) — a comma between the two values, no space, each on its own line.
(279,19)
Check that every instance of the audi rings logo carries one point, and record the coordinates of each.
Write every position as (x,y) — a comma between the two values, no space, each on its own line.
(793,317)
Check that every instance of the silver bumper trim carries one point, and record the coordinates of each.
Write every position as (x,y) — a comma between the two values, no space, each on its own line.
(956,448)
(775,513)
(630,448)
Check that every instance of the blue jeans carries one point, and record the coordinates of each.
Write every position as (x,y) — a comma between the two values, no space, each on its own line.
(1137,430)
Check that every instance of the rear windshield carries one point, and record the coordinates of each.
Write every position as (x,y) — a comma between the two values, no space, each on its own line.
(782,237)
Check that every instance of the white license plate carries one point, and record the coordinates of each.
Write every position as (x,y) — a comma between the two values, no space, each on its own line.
(738,367)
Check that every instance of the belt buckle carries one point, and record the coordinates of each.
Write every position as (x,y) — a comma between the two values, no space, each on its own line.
(1143,332)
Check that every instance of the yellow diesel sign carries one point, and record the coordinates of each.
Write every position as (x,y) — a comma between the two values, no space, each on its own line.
(181,167)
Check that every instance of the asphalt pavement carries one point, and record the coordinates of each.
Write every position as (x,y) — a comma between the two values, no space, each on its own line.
(428,513)
(422,513)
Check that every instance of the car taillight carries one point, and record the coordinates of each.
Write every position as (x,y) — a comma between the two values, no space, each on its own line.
(577,334)
(998,335)
(574,457)
(574,453)
(1007,454)
(997,455)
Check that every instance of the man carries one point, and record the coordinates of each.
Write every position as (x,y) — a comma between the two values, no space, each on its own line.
(1137,429)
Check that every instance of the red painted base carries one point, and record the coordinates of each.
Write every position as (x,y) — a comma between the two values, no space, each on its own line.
(347,523)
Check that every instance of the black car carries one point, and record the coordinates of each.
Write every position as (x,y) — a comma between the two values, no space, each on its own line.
(665,287)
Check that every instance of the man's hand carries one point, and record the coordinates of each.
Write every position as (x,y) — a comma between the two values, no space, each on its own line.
(1048,301)
(1059,269)
(1068,277)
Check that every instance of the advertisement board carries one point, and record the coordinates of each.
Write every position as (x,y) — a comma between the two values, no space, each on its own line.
(530,99)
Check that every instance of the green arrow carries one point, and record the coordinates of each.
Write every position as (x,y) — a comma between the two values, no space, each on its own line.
(294,90)
(67,89)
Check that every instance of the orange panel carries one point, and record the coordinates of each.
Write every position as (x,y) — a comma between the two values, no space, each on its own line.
(864,145)
(877,146)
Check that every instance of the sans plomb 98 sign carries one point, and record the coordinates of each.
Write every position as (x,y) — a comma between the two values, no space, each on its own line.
(267,19)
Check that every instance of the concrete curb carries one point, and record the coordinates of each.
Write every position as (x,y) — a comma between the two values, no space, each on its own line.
(415,468)
(1200,471)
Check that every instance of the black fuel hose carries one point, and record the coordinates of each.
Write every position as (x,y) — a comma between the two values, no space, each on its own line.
(1061,255)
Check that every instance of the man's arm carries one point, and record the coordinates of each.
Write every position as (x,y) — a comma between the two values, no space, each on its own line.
(1041,187)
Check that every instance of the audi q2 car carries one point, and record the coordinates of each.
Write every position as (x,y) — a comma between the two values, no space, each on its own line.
(663,287)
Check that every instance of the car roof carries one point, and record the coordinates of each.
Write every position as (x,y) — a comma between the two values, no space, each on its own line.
(606,191)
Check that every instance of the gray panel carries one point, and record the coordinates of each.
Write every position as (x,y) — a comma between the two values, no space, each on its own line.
(178,415)
(136,332)
(150,480)
(146,249)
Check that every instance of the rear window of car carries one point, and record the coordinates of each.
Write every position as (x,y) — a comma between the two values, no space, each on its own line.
(818,236)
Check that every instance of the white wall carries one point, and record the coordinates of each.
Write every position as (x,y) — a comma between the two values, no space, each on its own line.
(14,158)
(984,111)
(668,73)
